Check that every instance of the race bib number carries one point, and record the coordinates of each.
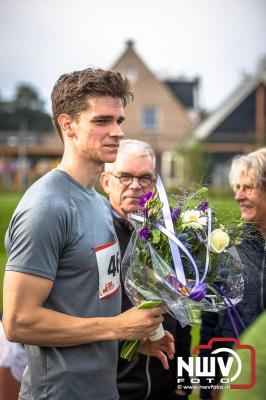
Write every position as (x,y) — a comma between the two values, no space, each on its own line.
(108,261)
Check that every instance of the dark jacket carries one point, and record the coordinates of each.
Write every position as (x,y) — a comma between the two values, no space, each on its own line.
(252,252)
(145,377)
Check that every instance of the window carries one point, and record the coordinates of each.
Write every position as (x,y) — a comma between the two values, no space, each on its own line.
(131,74)
(149,118)
(220,175)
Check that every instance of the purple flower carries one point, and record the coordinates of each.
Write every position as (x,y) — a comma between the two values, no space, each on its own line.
(203,206)
(175,213)
(143,200)
(172,280)
(200,238)
(144,233)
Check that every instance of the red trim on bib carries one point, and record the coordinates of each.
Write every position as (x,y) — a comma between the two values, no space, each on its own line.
(105,246)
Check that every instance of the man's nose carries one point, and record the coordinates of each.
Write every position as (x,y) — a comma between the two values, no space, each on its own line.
(135,183)
(117,131)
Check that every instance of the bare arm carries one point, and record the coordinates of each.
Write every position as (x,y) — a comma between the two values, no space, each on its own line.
(27,321)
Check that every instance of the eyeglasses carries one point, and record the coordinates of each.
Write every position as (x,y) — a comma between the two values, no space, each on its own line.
(127,179)
(247,189)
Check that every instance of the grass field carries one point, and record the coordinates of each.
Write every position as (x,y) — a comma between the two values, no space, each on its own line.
(8,203)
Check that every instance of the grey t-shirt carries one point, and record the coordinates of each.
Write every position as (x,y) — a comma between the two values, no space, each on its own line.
(53,234)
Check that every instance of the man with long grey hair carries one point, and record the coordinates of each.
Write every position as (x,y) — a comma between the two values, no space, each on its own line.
(125,181)
(248,179)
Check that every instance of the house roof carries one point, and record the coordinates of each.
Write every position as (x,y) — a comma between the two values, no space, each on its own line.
(204,129)
(183,90)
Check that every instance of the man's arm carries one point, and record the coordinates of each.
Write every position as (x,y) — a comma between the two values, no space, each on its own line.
(25,319)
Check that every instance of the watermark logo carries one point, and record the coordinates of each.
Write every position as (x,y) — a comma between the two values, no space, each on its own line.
(230,367)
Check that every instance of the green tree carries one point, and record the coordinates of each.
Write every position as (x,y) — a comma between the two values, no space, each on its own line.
(197,167)
(25,110)
(26,98)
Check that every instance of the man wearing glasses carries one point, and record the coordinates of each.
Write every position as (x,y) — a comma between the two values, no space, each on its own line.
(125,181)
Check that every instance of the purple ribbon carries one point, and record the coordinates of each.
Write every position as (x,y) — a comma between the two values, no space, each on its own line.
(229,306)
(178,243)
(198,292)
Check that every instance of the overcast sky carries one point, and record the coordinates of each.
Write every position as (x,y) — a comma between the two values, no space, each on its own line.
(218,40)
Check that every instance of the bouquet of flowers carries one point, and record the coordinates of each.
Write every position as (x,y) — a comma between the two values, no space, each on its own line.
(182,256)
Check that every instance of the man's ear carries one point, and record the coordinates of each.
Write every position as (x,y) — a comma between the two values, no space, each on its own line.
(105,181)
(66,124)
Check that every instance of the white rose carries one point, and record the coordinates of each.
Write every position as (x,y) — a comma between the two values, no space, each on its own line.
(194,219)
(219,240)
